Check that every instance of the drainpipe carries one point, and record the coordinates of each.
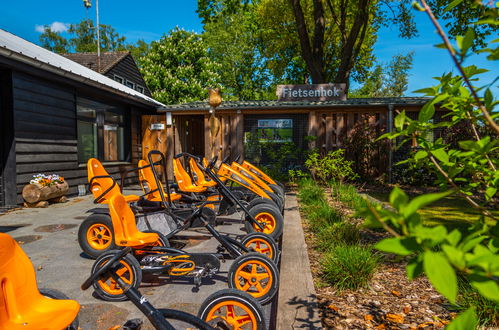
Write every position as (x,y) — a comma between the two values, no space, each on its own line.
(389,128)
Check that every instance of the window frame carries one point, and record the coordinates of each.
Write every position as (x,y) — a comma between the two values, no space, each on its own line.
(129,82)
(140,89)
(116,77)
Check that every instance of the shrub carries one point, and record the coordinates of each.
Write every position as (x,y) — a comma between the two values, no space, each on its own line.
(349,266)
(336,234)
(332,166)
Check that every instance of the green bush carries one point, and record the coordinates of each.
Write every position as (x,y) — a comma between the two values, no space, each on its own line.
(331,166)
(336,234)
(349,266)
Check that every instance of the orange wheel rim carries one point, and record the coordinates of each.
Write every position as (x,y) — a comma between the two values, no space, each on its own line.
(268,222)
(110,286)
(254,277)
(235,314)
(99,236)
(261,246)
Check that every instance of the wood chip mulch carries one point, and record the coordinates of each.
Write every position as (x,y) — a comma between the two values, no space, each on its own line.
(390,302)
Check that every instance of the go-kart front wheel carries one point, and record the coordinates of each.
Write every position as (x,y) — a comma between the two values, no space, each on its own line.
(96,235)
(269,217)
(232,309)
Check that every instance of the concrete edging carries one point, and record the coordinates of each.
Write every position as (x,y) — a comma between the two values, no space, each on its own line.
(297,304)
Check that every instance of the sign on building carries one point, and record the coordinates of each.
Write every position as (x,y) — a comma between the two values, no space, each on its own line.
(317,92)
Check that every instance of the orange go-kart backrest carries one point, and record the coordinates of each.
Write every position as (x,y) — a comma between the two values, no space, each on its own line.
(124,225)
(183,178)
(257,171)
(100,185)
(147,181)
(21,304)
(201,179)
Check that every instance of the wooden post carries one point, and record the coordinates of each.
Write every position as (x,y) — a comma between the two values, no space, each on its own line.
(312,128)
(237,129)
(329,131)
(207,137)
(340,129)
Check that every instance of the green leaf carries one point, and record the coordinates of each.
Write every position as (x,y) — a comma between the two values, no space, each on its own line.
(467,40)
(426,112)
(441,155)
(441,275)
(490,192)
(414,267)
(465,321)
(398,198)
(420,155)
(454,237)
(455,256)
(453,4)
(488,99)
(400,120)
(486,286)
(424,200)
(400,246)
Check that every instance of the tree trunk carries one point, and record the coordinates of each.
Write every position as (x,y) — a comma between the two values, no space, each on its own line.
(33,193)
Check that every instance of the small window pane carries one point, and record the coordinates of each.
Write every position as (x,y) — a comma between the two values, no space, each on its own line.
(87,140)
(130,84)
(111,117)
(118,79)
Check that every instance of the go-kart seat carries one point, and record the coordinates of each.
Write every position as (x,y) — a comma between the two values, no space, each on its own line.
(183,178)
(100,185)
(200,179)
(148,183)
(22,306)
(124,225)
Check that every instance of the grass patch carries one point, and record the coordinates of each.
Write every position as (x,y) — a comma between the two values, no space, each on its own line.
(321,214)
(309,192)
(349,266)
(487,311)
(348,195)
(337,234)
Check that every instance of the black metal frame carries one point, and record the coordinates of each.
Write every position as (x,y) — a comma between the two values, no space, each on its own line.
(155,316)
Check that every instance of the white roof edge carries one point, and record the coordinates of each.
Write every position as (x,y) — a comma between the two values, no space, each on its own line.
(22,50)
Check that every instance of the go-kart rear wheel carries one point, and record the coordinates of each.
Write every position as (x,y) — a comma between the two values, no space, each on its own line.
(128,270)
(96,235)
(278,190)
(269,217)
(232,309)
(255,274)
(262,243)
(56,294)
(277,200)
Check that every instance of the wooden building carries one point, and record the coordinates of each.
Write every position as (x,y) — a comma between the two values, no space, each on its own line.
(56,113)
(331,122)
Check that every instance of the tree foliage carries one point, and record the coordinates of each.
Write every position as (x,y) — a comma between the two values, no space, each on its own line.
(177,68)
(389,80)
(82,38)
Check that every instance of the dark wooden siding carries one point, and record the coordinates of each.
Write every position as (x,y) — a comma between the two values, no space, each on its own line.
(127,69)
(46,133)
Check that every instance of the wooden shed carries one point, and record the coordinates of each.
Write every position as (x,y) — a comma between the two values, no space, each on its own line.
(55,114)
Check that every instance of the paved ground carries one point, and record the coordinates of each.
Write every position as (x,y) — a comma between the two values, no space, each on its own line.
(60,264)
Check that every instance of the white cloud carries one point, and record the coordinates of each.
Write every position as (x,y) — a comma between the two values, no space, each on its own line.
(54,27)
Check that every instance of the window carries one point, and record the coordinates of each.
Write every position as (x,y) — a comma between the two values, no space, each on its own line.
(140,89)
(130,84)
(119,79)
(102,131)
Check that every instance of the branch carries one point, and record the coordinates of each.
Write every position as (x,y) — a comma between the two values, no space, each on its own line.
(452,53)
(378,218)
(454,185)
(477,137)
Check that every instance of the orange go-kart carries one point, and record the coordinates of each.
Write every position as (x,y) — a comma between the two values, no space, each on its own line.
(251,272)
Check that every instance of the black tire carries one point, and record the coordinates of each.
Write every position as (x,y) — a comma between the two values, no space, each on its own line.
(278,190)
(173,314)
(222,297)
(96,221)
(271,250)
(133,276)
(261,212)
(56,294)
(277,200)
(260,200)
(162,240)
(244,264)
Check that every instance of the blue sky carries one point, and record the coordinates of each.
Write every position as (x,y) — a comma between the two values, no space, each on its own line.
(149,19)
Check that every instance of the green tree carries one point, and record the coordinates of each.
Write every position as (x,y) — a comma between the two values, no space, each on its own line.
(387,80)
(138,50)
(53,41)
(177,68)
(232,42)
(82,38)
